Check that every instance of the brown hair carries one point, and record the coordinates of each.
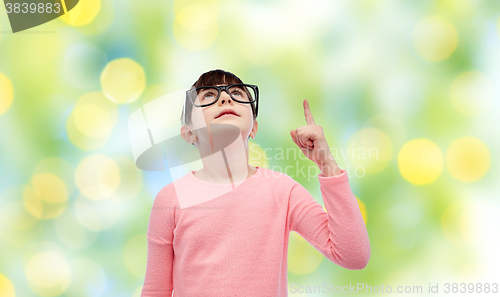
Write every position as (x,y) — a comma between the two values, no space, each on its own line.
(211,78)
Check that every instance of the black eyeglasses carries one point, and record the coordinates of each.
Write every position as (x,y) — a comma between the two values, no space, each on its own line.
(241,93)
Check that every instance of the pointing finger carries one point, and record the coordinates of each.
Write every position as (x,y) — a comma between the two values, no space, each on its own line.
(307,113)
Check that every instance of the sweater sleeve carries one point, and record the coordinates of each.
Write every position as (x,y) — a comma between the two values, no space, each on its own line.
(160,255)
(340,233)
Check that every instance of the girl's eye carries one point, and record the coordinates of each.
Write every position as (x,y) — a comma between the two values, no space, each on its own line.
(237,92)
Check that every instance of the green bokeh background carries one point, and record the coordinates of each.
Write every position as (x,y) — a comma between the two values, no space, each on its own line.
(377,74)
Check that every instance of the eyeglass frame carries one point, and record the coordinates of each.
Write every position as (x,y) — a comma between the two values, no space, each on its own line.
(219,91)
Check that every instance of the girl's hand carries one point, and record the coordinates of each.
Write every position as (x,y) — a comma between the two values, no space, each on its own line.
(311,141)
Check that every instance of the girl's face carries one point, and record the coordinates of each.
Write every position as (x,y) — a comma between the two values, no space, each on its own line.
(205,116)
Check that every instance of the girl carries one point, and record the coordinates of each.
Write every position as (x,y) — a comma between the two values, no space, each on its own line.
(223,230)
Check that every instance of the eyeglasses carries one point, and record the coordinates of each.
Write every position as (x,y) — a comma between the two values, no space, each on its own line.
(241,93)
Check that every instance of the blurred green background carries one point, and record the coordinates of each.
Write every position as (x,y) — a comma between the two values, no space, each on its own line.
(413,82)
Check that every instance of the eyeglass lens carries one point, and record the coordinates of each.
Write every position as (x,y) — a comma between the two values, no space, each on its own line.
(208,95)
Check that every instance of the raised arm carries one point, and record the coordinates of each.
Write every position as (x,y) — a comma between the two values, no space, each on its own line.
(340,233)
(158,279)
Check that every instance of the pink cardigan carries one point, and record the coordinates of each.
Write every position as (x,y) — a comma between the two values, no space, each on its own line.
(236,243)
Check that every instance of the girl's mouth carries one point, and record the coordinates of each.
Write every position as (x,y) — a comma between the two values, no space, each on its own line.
(227,112)
(226,115)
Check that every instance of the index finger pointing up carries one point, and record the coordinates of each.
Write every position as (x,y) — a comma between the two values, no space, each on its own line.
(307,113)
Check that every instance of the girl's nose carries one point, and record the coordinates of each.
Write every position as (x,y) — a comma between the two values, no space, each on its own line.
(224,97)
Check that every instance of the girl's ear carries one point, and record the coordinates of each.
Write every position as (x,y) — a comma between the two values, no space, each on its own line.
(254,129)
(187,134)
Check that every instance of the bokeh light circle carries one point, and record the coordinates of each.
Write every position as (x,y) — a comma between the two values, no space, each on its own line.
(59,167)
(123,80)
(97,177)
(256,155)
(435,38)
(48,273)
(6,287)
(135,253)
(81,141)
(303,258)
(46,196)
(420,161)
(370,149)
(472,93)
(50,188)
(468,159)
(6,93)
(83,13)
(195,27)
(92,121)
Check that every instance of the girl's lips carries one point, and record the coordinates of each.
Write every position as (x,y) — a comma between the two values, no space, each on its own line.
(227,110)
(226,114)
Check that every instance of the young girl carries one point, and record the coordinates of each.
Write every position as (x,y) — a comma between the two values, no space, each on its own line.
(223,230)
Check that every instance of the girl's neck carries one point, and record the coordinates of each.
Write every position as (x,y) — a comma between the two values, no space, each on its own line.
(225,178)
(227,165)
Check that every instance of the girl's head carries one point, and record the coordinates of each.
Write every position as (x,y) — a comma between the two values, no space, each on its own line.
(198,117)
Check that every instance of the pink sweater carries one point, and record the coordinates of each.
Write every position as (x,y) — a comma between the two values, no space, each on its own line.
(236,244)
